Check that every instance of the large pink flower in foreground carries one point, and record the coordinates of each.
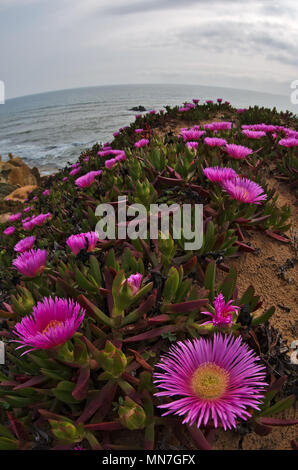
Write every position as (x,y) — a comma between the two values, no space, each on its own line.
(216,379)
(244,190)
(223,315)
(217,174)
(86,180)
(31,262)
(25,245)
(52,323)
(238,151)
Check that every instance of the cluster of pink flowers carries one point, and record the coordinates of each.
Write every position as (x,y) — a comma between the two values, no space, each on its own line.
(86,180)
(52,323)
(30,222)
(82,241)
(30,263)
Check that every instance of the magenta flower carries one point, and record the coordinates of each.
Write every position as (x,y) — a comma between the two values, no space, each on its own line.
(116,134)
(110,163)
(141,143)
(82,241)
(219,126)
(223,315)
(52,323)
(25,245)
(238,151)
(76,243)
(217,174)
(27,209)
(244,190)
(40,219)
(214,141)
(64,179)
(219,100)
(75,171)
(253,134)
(30,263)
(9,231)
(86,180)
(192,145)
(152,111)
(135,281)
(241,110)
(47,192)
(139,131)
(15,217)
(195,100)
(289,142)
(192,134)
(209,101)
(218,379)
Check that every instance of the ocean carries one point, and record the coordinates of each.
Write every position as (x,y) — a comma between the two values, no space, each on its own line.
(50,129)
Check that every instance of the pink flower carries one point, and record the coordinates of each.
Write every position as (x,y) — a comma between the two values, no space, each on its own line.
(214,141)
(135,281)
(9,231)
(223,315)
(40,219)
(209,101)
(289,142)
(253,134)
(217,174)
(139,131)
(47,192)
(75,171)
(52,323)
(195,100)
(216,380)
(238,151)
(219,100)
(30,263)
(27,209)
(15,217)
(86,159)
(65,179)
(25,245)
(152,111)
(244,190)
(241,110)
(141,143)
(219,126)
(86,180)
(192,145)
(82,241)
(192,134)
(110,163)
(116,134)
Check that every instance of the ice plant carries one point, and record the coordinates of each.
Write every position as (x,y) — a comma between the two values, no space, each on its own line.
(238,151)
(25,245)
(192,145)
(134,281)
(214,141)
(91,240)
(82,241)
(217,174)
(15,217)
(31,263)
(289,142)
(141,143)
(216,379)
(110,163)
(9,231)
(191,134)
(223,315)
(253,134)
(52,323)
(75,171)
(244,190)
(86,180)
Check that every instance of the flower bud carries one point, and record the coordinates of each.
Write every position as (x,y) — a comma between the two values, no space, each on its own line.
(132,415)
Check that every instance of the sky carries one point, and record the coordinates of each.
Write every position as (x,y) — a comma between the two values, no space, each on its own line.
(49,45)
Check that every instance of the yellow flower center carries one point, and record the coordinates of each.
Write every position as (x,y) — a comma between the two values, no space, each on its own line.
(210,381)
(53,324)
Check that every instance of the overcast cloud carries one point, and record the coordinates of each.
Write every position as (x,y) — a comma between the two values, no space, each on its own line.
(56,44)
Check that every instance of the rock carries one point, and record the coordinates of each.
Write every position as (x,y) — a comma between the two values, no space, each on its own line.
(16,172)
(138,108)
(4,218)
(6,189)
(21,194)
